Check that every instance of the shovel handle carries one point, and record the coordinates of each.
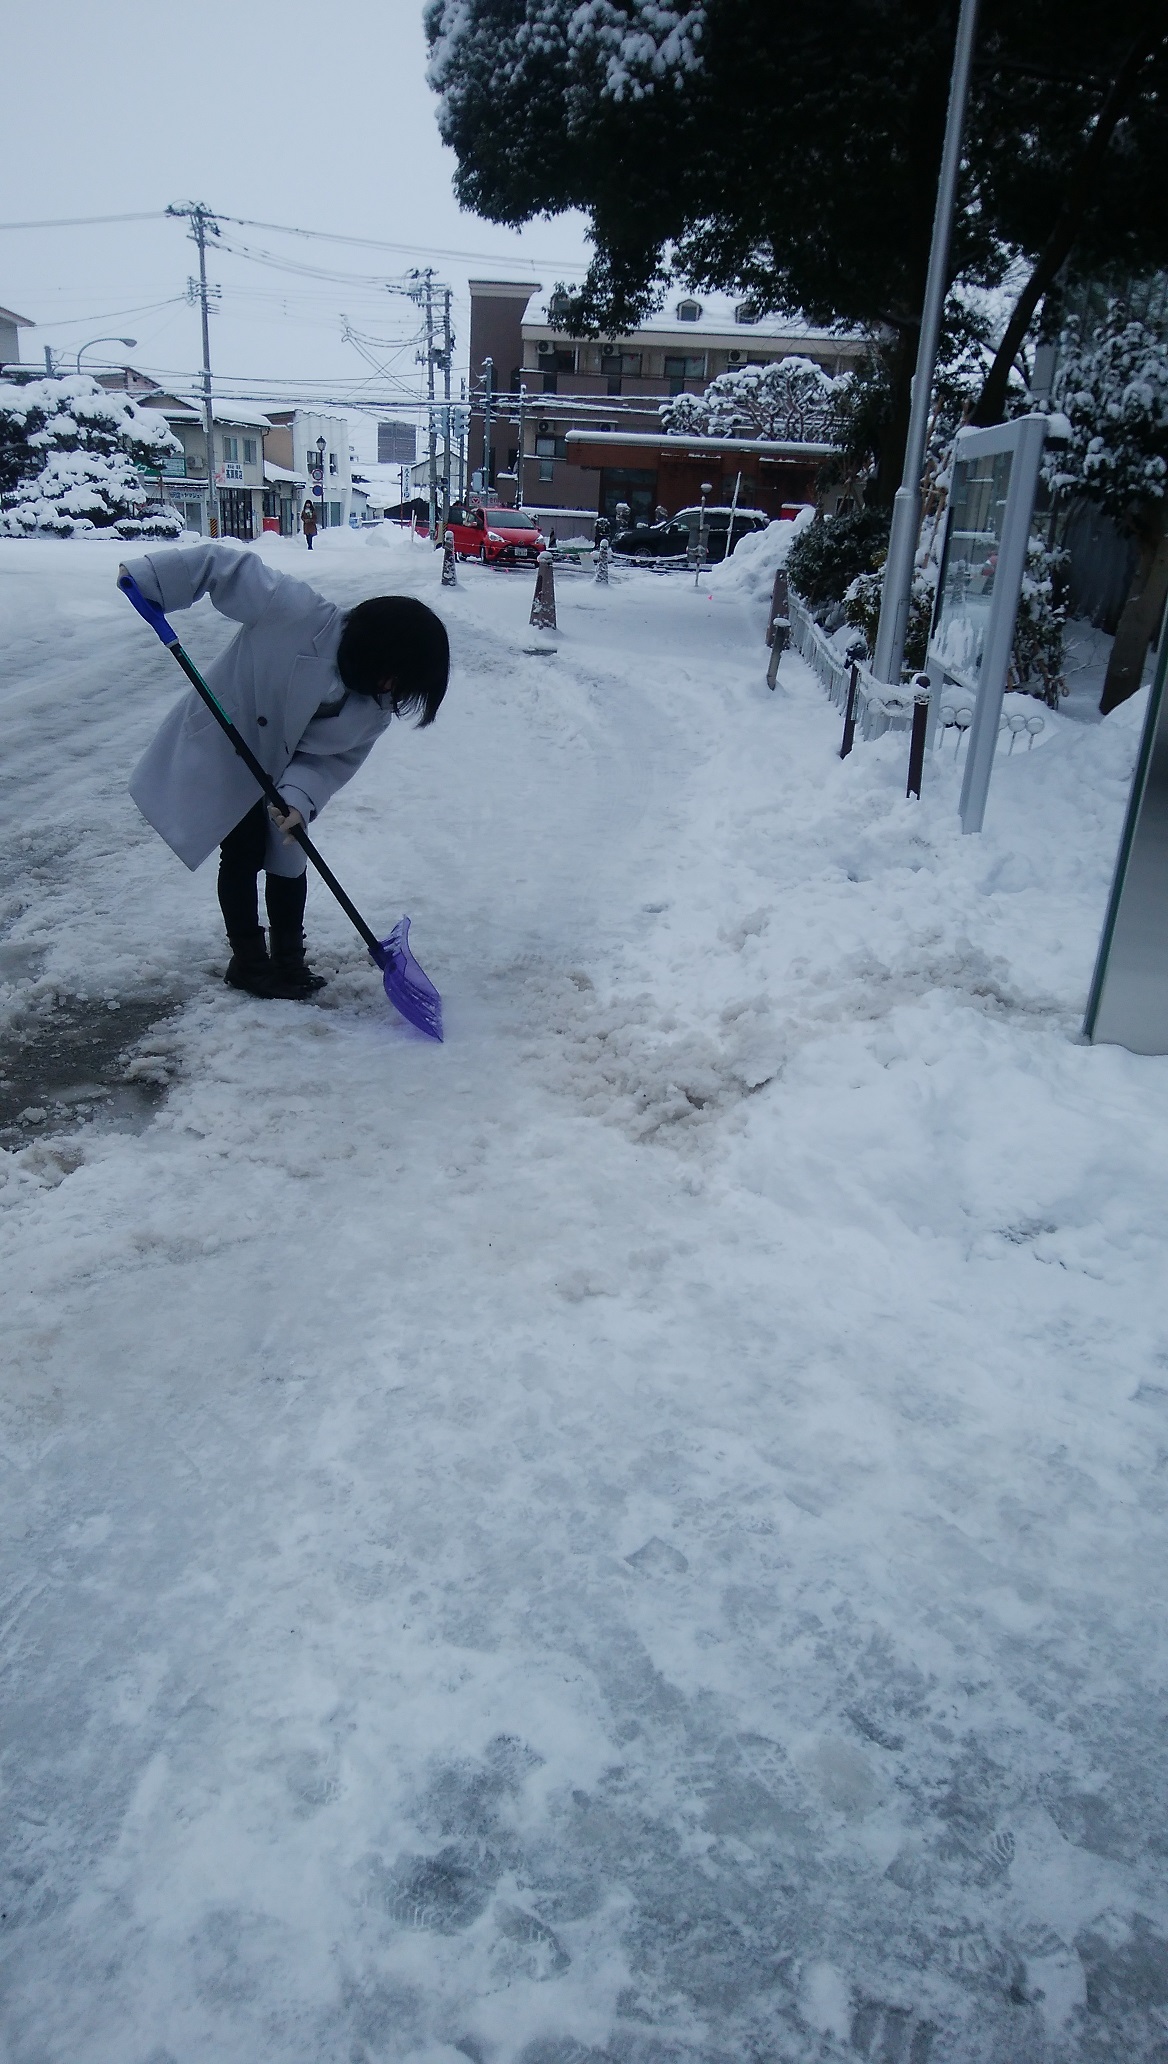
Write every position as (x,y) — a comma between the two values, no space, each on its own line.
(157,621)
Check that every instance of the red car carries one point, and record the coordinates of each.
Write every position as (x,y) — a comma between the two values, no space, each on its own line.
(496,536)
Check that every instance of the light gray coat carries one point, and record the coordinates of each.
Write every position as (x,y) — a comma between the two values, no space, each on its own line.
(279,684)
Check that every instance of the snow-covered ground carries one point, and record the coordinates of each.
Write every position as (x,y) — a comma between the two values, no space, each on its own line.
(633,1537)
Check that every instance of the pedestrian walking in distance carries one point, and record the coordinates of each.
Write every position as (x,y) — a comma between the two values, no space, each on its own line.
(308,523)
(310,688)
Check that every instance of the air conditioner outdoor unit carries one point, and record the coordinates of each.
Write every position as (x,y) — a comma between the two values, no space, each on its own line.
(544,346)
(736,357)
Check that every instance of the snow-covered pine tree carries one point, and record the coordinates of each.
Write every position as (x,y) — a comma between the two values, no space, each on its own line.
(1113,389)
(789,399)
(72,457)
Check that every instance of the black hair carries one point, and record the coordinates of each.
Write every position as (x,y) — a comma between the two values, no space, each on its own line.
(395,638)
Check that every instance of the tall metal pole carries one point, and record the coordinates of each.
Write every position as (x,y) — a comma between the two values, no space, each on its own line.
(519,454)
(488,387)
(447,354)
(432,426)
(200,233)
(463,418)
(906,509)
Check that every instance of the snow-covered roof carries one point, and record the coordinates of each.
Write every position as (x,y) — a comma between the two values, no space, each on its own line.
(230,412)
(283,473)
(665,441)
(716,316)
(383,483)
(23,322)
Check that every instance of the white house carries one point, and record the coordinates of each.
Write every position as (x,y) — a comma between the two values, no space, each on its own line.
(314,447)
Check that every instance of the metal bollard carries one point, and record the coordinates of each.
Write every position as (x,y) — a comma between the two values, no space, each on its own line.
(602,563)
(543,602)
(778,638)
(849,737)
(920,725)
(449,577)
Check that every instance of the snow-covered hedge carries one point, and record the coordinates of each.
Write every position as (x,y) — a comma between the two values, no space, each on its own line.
(72,457)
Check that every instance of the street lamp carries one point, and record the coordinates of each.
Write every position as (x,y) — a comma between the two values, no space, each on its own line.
(129,342)
(707,489)
(318,484)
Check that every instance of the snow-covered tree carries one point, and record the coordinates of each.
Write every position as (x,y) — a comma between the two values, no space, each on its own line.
(789,154)
(73,456)
(789,399)
(1113,389)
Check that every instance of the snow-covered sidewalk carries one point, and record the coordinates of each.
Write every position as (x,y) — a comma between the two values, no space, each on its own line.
(633,1537)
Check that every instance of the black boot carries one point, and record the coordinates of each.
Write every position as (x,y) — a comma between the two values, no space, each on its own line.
(291,975)
(249,967)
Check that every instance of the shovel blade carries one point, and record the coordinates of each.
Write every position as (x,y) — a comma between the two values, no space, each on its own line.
(407,985)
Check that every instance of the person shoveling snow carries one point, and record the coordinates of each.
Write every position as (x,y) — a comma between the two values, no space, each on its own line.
(307,688)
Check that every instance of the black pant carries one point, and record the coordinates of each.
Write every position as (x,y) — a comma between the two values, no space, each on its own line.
(309,535)
(241,857)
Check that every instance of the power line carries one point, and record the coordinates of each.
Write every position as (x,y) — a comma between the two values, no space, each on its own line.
(413,250)
(87,221)
(327,236)
(73,322)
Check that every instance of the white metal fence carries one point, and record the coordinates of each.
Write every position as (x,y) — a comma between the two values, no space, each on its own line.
(877,707)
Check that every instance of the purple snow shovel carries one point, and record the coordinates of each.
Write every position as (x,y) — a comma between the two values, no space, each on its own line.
(409,990)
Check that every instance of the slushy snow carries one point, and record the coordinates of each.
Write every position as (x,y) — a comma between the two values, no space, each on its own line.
(632,1537)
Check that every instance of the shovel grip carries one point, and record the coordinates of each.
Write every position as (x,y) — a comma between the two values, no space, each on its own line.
(150,610)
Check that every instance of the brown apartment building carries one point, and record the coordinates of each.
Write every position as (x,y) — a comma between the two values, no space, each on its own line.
(575,427)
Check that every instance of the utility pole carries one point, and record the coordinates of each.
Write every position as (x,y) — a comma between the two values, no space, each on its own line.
(447,355)
(425,294)
(519,453)
(463,419)
(906,509)
(488,385)
(203,223)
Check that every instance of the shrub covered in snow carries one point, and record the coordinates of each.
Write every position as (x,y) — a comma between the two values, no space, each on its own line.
(862,608)
(1037,662)
(790,399)
(1113,391)
(72,457)
(833,550)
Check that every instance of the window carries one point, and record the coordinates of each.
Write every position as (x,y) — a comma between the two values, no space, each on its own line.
(558,307)
(689,311)
(626,362)
(680,367)
(231,450)
(550,383)
(249,452)
(333,466)
(334,509)
(546,469)
(545,447)
(746,312)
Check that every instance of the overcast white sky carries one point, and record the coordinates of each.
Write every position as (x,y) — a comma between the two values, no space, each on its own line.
(313,113)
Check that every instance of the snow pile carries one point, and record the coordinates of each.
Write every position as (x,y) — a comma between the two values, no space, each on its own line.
(751,568)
